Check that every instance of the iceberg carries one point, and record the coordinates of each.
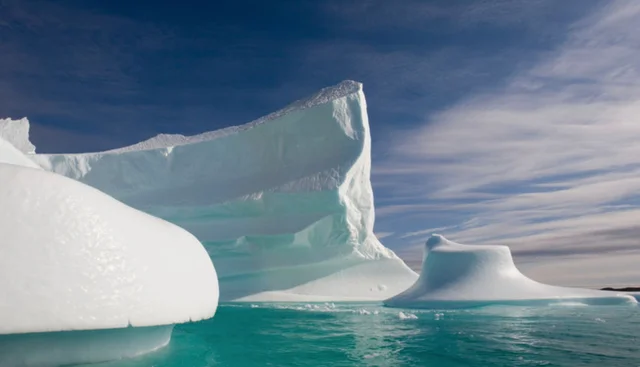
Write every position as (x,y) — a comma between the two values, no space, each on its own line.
(284,204)
(455,276)
(14,131)
(85,278)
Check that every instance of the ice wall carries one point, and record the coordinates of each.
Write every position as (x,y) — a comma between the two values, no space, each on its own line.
(284,204)
(455,275)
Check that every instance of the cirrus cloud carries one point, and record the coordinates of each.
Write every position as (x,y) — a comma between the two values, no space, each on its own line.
(549,164)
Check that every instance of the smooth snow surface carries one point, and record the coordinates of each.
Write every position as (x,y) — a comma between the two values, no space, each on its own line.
(455,275)
(73,258)
(80,347)
(284,204)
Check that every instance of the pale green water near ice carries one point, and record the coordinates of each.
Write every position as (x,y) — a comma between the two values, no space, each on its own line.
(318,335)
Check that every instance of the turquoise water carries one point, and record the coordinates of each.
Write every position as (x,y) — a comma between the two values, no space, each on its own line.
(370,335)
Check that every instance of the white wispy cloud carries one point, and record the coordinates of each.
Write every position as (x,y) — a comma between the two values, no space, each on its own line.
(555,150)
(619,269)
(381,235)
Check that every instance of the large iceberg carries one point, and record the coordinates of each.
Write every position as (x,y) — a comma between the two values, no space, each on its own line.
(455,275)
(284,204)
(86,278)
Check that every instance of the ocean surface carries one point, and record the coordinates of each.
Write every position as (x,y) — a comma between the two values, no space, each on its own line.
(245,335)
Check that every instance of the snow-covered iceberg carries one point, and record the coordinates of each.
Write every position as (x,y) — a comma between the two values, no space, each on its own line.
(14,131)
(455,275)
(284,204)
(85,278)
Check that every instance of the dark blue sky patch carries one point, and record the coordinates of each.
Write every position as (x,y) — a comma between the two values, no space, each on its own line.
(125,71)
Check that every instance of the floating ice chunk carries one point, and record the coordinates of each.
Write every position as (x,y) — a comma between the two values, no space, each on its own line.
(283,204)
(455,275)
(407,316)
(568,304)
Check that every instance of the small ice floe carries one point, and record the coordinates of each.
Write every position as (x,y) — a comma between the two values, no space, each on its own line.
(407,316)
(373,355)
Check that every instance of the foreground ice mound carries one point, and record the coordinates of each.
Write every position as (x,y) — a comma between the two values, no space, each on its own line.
(85,278)
(284,204)
(455,275)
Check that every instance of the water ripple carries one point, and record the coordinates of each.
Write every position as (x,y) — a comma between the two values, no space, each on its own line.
(348,335)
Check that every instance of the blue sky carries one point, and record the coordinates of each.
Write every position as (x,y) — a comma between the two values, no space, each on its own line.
(503,121)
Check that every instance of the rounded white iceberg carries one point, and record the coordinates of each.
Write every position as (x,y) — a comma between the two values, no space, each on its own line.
(73,258)
(455,275)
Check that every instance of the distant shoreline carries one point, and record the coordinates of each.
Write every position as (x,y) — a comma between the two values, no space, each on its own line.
(626,289)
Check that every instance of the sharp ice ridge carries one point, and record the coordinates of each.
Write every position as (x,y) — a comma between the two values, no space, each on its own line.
(325,95)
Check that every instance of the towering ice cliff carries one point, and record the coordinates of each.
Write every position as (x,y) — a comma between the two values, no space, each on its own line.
(85,278)
(455,275)
(284,204)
